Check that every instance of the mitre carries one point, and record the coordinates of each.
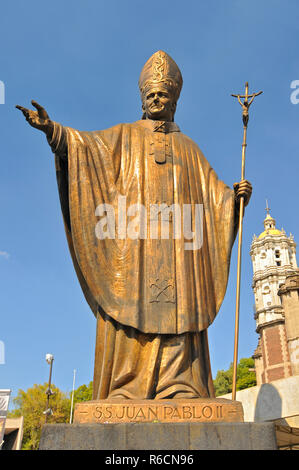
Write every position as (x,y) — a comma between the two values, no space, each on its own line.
(161,69)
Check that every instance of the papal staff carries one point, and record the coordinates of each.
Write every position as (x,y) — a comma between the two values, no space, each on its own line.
(245,117)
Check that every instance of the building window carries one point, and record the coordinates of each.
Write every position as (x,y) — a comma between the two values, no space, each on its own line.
(278,263)
(277,254)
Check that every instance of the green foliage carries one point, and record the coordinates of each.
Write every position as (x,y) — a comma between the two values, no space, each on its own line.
(245,377)
(83,393)
(31,405)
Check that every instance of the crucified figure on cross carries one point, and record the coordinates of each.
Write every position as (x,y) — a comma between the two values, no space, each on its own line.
(246,104)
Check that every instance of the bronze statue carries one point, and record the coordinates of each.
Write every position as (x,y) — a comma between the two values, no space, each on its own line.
(153,296)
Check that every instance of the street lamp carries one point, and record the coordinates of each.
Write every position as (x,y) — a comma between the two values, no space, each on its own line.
(49,412)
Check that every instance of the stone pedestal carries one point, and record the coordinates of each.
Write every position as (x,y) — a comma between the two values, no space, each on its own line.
(159,436)
(198,424)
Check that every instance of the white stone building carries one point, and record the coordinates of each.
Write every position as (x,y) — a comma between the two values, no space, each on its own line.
(276,295)
(273,256)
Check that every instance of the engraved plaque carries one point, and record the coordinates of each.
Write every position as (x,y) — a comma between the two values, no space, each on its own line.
(168,411)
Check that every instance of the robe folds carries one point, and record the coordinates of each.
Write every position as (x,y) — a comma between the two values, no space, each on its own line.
(154,285)
(152,295)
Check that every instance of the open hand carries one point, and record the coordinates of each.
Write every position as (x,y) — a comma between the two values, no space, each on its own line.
(243,189)
(38,119)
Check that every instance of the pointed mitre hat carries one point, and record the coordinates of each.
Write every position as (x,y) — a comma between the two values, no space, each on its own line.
(161,69)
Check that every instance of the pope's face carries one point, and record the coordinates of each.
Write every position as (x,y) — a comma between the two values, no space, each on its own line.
(158,104)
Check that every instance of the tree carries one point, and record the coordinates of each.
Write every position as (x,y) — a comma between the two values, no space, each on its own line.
(83,393)
(245,377)
(31,405)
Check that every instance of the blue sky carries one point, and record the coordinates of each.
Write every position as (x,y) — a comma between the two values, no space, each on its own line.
(82,60)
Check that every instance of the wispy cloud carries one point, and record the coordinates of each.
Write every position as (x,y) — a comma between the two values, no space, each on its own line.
(4,254)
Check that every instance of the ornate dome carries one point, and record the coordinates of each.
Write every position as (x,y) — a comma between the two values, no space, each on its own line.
(270,227)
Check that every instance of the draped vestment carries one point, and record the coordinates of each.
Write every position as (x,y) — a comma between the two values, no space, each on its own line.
(153,297)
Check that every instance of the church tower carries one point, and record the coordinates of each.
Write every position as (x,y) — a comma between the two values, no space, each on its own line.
(273,257)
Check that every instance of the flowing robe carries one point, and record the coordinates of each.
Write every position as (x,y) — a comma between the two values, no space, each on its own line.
(145,290)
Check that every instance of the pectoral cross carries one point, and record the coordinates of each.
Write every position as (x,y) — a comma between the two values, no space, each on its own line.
(160,148)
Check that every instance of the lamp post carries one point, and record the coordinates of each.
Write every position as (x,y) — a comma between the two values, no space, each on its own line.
(49,412)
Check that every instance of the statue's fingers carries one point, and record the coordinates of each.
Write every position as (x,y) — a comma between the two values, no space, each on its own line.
(245,184)
(41,111)
(21,108)
(247,188)
(37,105)
(25,111)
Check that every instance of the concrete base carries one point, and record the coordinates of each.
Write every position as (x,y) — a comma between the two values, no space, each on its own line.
(159,436)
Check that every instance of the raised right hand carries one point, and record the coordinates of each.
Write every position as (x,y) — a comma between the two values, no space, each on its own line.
(38,119)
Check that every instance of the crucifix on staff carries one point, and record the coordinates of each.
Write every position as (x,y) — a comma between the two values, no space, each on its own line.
(245,117)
